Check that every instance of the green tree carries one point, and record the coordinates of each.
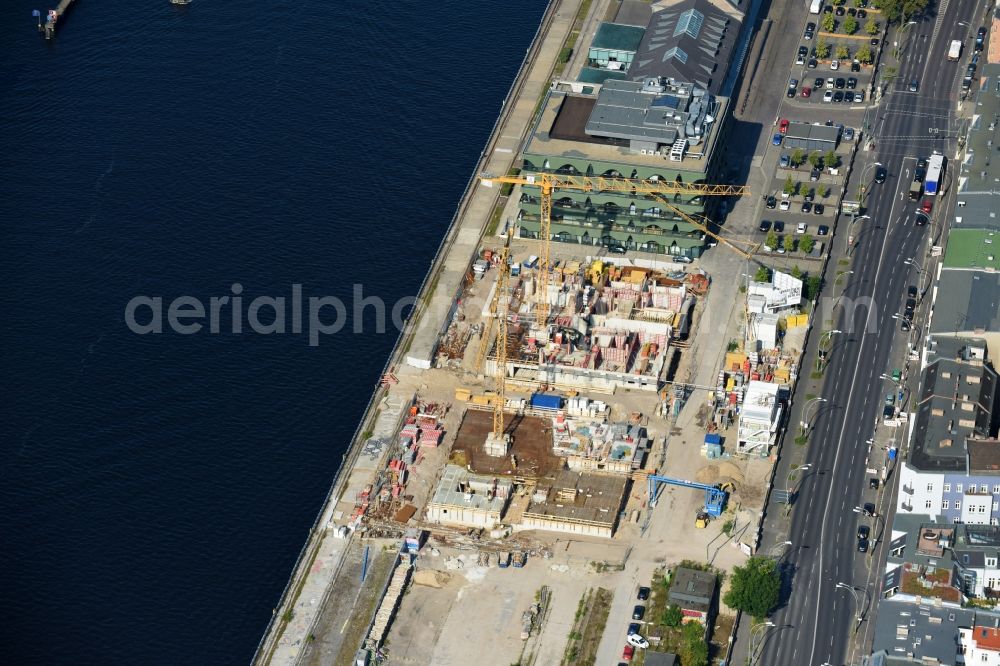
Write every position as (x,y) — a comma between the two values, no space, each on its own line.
(843,52)
(771,241)
(850,25)
(858,3)
(796,272)
(812,287)
(824,191)
(829,23)
(694,649)
(872,27)
(831,159)
(822,49)
(790,186)
(789,242)
(763,274)
(806,244)
(816,160)
(755,587)
(798,157)
(864,55)
(901,10)
(673,616)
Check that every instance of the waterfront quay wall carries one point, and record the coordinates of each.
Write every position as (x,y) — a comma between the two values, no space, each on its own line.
(437,296)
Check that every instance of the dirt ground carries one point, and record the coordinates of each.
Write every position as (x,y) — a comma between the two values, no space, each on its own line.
(531,445)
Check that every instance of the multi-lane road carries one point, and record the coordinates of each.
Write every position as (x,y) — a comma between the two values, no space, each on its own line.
(816,623)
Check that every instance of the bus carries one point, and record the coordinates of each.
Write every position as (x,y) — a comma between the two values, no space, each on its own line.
(935,172)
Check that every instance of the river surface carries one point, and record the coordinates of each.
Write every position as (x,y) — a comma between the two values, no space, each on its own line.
(156,488)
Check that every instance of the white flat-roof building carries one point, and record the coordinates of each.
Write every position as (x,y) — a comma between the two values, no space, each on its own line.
(759,418)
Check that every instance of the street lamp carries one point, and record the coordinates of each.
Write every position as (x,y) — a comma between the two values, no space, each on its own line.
(850,231)
(921,272)
(779,545)
(857,603)
(904,31)
(766,626)
(821,353)
(863,187)
(804,423)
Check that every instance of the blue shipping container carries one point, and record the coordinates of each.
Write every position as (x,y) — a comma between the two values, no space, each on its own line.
(546,401)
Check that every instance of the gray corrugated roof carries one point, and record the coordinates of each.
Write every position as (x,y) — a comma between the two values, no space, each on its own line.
(797,130)
(938,432)
(967,301)
(979,179)
(904,629)
(624,111)
(690,41)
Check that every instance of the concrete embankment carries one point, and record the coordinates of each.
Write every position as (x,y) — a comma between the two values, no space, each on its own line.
(315,574)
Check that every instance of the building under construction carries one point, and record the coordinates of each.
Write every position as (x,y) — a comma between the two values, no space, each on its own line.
(577,503)
(609,326)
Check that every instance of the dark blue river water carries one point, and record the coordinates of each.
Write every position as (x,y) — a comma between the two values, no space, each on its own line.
(156,489)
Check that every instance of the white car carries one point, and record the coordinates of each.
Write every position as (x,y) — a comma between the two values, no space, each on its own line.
(828,96)
(784,205)
(834,64)
(635,640)
(801,229)
(829,85)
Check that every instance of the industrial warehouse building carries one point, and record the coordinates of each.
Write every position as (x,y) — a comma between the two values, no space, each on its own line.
(655,112)
(654,130)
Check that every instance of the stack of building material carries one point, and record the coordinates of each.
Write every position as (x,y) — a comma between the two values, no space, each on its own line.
(431,436)
(386,610)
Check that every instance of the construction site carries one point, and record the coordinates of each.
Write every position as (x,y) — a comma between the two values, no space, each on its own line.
(556,420)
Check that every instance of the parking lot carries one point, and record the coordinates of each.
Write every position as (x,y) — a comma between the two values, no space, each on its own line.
(832,63)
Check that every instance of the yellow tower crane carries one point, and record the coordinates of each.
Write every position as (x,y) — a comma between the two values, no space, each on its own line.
(549,182)
(501,306)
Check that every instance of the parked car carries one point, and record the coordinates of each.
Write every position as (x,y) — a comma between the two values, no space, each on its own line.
(921,162)
(784,161)
(834,64)
(812,63)
(823,230)
(682,259)
(848,97)
(818,83)
(911,291)
(830,83)
(801,228)
(862,545)
(784,205)
(848,134)
(771,202)
(852,83)
(904,325)
(839,83)
(911,304)
(806,207)
(643,594)
(633,628)
(868,509)
(628,653)
(638,641)
(864,531)
(814,175)
(856,66)
(764,226)
(783,125)
(828,96)
(779,226)
(874,41)
(839,10)
(859,96)
(838,97)
(807,91)
(638,612)
(809,195)
(873,483)
(818,209)
(776,139)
